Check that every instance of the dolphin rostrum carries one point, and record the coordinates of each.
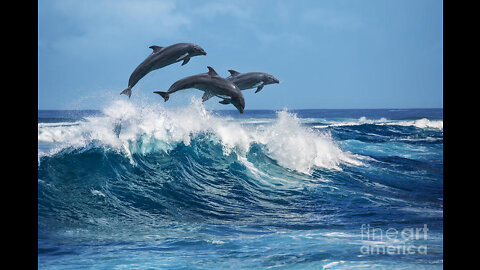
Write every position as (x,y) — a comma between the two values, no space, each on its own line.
(161,57)
(251,79)
(213,85)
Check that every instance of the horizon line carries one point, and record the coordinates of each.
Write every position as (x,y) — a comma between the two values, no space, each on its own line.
(394,108)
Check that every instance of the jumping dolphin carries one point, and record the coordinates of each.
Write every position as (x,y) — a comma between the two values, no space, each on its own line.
(251,79)
(161,57)
(213,85)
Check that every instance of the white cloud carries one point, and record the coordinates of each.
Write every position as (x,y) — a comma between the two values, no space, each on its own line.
(107,25)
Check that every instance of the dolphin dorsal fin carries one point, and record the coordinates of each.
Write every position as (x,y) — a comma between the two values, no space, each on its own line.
(212,71)
(155,48)
(233,72)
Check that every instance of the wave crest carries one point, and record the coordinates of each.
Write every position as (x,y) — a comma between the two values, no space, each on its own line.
(134,129)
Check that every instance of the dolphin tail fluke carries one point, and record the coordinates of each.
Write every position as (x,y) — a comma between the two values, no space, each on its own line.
(127,92)
(165,95)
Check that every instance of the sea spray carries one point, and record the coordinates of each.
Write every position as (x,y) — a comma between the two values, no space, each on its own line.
(141,129)
(301,148)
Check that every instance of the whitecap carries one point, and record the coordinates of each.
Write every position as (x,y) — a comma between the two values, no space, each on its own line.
(130,128)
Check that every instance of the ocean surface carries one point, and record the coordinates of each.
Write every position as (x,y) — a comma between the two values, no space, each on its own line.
(145,187)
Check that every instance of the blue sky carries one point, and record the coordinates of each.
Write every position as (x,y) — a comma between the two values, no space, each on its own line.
(326,54)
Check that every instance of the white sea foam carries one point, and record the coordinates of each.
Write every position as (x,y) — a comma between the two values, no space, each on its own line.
(420,123)
(129,128)
(57,124)
(97,193)
(301,148)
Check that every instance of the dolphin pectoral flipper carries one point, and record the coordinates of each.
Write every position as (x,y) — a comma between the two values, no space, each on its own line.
(186,61)
(182,56)
(257,84)
(224,102)
(206,96)
(259,88)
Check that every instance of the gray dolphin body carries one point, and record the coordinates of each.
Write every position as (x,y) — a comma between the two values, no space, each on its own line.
(161,57)
(251,79)
(213,85)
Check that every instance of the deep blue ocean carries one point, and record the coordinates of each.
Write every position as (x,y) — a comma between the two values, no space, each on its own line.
(144,187)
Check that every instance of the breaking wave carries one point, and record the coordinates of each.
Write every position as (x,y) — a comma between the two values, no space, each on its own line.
(129,129)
